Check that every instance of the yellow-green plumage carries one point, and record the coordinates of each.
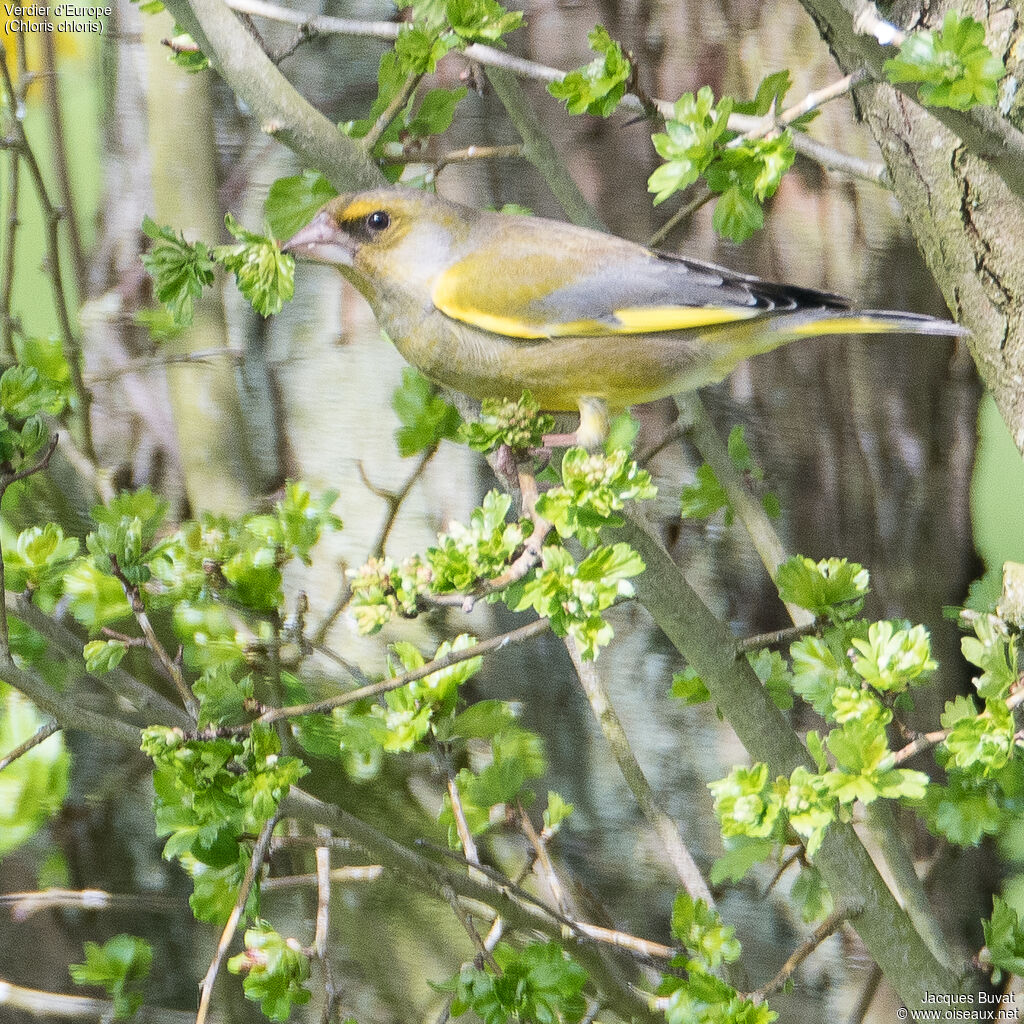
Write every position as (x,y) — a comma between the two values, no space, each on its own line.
(491,304)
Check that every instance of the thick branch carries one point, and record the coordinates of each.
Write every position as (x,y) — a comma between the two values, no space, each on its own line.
(280,110)
(849,872)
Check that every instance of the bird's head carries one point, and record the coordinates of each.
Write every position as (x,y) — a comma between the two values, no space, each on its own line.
(386,239)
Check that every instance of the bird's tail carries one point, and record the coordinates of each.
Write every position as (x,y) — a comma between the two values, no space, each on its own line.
(808,323)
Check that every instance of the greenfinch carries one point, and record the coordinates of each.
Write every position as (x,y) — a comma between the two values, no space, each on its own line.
(492,304)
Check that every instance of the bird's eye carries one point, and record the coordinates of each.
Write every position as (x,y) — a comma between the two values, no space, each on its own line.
(378,220)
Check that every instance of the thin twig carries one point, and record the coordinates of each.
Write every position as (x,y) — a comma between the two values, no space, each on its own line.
(339,876)
(531,629)
(381,125)
(800,954)
(491,57)
(55,1005)
(59,161)
(774,638)
(5,481)
(171,666)
(544,860)
(664,827)
(24,905)
(10,241)
(703,197)
(259,853)
(394,499)
(470,153)
(926,740)
(41,735)
(51,218)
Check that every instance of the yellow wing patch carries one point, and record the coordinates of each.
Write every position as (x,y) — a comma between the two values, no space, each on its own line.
(631,320)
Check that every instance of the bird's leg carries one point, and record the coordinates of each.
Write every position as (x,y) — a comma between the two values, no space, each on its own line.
(592,431)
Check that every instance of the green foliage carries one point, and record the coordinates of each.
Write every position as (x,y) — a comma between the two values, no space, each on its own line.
(598,87)
(466,555)
(212,793)
(688,687)
(573,595)
(704,497)
(103,655)
(292,201)
(689,141)
(275,970)
(121,966)
(556,812)
(1004,940)
(46,357)
(481,21)
(519,425)
(180,270)
(832,588)
(594,487)
(953,65)
(538,983)
(37,557)
(185,54)
(516,755)
(891,658)
(700,929)
(427,419)
(264,274)
(743,172)
(34,785)
(696,994)
(811,895)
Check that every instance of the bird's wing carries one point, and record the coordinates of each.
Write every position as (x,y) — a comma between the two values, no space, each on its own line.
(527,285)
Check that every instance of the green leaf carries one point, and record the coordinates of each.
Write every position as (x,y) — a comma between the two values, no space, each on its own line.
(771,91)
(688,687)
(121,966)
(519,424)
(556,812)
(704,497)
(40,554)
(954,66)
(481,21)
(811,895)
(435,113)
(275,970)
(264,274)
(689,141)
(103,655)
(891,659)
(427,419)
(737,215)
(35,784)
(746,803)
(1004,937)
(180,270)
(598,87)
(701,930)
(539,983)
(964,811)
(741,854)
(24,392)
(293,201)
(833,588)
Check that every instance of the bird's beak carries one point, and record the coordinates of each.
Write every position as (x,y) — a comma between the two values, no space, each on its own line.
(321,241)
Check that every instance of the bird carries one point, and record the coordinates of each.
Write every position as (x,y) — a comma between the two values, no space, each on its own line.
(493,304)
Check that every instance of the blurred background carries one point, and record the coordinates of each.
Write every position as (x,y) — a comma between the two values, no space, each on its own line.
(880,450)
